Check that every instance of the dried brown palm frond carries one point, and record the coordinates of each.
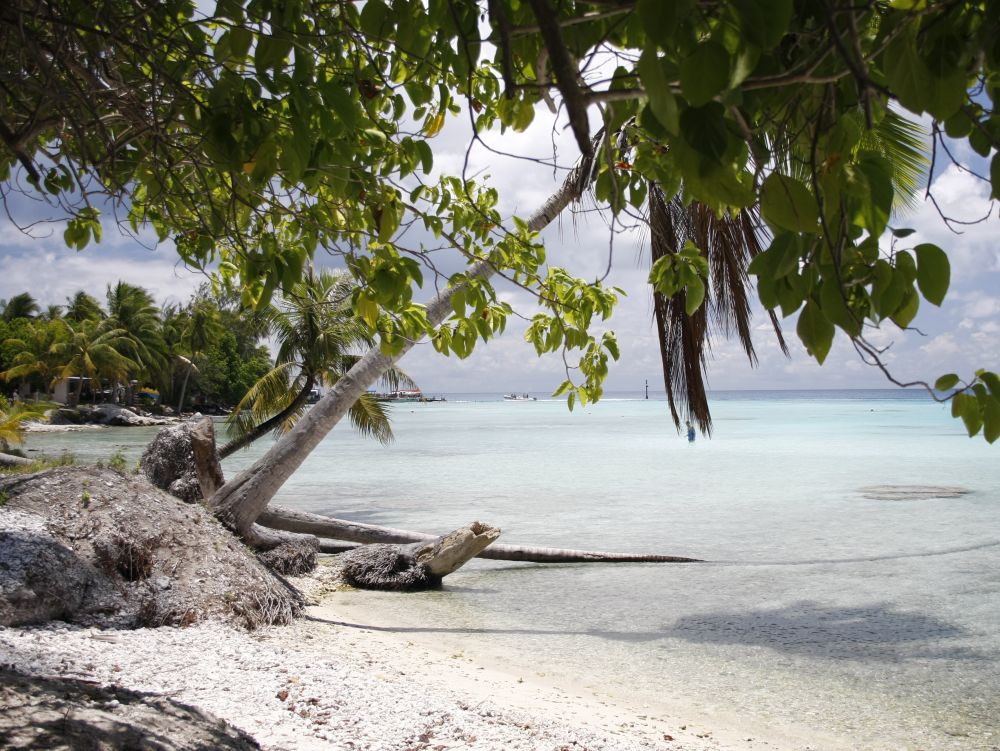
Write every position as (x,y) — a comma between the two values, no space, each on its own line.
(728,242)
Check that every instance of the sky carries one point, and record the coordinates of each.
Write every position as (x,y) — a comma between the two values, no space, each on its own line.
(961,336)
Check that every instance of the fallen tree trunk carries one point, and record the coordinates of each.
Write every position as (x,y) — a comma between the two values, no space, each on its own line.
(277,517)
(419,565)
(9,460)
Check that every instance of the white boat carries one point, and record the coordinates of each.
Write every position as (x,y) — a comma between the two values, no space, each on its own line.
(519,398)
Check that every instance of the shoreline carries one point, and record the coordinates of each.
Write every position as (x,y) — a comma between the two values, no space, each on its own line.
(320,684)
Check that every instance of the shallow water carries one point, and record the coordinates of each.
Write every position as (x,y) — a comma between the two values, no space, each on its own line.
(875,620)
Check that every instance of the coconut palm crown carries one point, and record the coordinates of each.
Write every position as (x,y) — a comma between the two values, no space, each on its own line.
(318,339)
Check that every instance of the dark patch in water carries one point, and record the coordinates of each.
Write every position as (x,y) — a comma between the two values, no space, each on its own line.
(911,492)
(875,632)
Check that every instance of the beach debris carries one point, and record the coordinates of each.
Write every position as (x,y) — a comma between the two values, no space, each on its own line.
(336,536)
(418,565)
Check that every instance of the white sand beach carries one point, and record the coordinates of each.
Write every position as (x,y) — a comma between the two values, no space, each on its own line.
(334,680)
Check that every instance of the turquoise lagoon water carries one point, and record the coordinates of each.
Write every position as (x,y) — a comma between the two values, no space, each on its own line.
(870,622)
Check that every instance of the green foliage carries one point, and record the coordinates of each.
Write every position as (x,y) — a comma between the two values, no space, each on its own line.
(14,415)
(261,132)
(118,462)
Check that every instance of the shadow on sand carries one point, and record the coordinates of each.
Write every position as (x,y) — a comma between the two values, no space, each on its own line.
(875,632)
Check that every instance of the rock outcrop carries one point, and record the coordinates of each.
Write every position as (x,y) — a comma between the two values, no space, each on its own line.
(182,460)
(97,547)
(104,414)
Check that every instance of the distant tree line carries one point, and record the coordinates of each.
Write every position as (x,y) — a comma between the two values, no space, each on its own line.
(207,352)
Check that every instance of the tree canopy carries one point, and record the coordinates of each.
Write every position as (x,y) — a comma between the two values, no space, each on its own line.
(269,129)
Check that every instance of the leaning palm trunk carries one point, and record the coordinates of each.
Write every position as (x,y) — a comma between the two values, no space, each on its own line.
(325,527)
(184,385)
(271,423)
(239,502)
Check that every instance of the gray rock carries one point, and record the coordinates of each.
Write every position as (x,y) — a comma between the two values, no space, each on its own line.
(42,579)
(169,462)
(113,414)
(65,416)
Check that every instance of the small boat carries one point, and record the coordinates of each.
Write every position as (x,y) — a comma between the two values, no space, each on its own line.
(519,398)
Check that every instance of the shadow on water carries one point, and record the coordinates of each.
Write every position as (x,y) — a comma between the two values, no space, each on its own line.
(873,632)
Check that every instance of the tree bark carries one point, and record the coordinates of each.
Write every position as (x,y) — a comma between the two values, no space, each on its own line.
(9,460)
(206,459)
(272,422)
(241,501)
(184,385)
(303,522)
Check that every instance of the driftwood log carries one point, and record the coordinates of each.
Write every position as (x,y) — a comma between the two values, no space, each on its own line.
(184,458)
(419,565)
(327,527)
(10,460)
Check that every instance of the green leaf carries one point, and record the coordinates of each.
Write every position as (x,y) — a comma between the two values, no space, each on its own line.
(946,382)
(907,310)
(705,73)
(901,232)
(966,407)
(787,204)
(815,331)
(240,39)
(373,17)
(836,310)
(933,272)
(704,128)
(662,102)
(695,295)
(658,18)
(876,209)
(992,381)
(763,22)
(908,76)
(991,419)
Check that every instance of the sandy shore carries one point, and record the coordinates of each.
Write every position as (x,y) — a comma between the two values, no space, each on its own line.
(323,683)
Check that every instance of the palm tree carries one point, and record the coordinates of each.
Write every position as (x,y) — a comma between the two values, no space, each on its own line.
(132,310)
(34,356)
(13,415)
(83,307)
(200,330)
(21,306)
(92,350)
(317,334)
(52,313)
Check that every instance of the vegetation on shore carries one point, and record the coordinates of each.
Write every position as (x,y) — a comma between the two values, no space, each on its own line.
(150,354)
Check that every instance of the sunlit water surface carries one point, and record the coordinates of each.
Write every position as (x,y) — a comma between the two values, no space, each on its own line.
(873,621)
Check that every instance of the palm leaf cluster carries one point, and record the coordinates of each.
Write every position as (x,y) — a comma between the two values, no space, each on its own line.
(13,416)
(729,242)
(318,339)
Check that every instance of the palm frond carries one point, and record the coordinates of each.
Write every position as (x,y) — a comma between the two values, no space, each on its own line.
(370,418)
(905,145)
(728,242)
(682,338)
(271,394)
